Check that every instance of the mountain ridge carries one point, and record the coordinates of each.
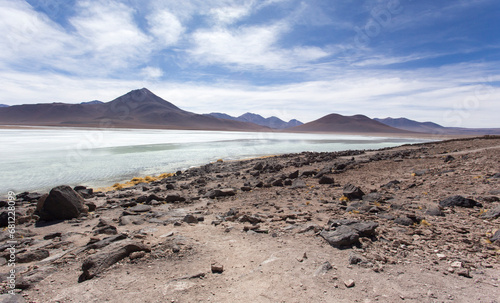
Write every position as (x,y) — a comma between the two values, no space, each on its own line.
(271,122)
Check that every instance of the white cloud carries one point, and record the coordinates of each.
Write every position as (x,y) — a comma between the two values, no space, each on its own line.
(166,27)
(109,33)
(151,73)
(254,46)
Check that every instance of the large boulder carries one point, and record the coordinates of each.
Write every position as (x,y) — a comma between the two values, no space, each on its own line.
(459,201)
(61,203)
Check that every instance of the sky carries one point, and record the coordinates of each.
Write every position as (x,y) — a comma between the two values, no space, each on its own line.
(425,60)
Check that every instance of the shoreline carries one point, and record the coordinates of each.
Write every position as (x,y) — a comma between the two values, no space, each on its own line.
(99,182)
(118,184)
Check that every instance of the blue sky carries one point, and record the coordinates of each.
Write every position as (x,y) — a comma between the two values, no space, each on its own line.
(425,60)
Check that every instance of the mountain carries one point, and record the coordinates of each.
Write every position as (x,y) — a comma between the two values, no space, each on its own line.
(411,125)
(92,102)
(271,122)
(4,105)
(433,128)
(136,109)
(336,123)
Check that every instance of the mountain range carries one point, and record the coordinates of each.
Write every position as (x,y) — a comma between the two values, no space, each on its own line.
(433,128)
(271,122)
(142,109)
(136,109)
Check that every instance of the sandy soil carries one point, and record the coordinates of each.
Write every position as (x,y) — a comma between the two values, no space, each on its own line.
(267,235)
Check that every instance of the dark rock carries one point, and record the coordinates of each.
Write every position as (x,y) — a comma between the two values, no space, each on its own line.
(496,236)
(420,172)
(448,158)
(259,166)
(90,205)
(496,176)
(246,188)
(326,180)
(355,259)
(372,197)
(278,182)
(294,175)
(347,232)
(86,193)
(217,268)
(308,173)
(391,184)
(250,219)
(140,208)
(4,219)
(403,220)
(31,256)
(434,211)
(174,197)
(154,197)
(141,199)
(52,236)
(61,203)
(113,253)
(352,192)
(459,201)
(492,213)
(341,237)
(225,192)
(190,219)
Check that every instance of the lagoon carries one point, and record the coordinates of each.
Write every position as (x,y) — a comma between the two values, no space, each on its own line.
(37,159)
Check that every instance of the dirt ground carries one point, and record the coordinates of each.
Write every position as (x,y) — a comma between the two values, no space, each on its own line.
(259,229)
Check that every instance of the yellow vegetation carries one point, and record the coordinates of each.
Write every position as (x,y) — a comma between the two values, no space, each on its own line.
(135,181)
(344,199)
(424,222)
(220,160)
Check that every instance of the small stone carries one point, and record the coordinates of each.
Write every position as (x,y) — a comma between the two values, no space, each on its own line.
(456,264)
(349,283)
(441,256)
(190,219)
(464,273)
(217,268)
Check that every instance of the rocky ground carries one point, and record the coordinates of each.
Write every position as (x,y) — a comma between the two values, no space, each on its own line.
(417,223)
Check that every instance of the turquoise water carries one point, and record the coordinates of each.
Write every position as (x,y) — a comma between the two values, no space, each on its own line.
(39,159)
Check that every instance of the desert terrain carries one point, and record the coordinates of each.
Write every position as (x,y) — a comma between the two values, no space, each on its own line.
(415,223)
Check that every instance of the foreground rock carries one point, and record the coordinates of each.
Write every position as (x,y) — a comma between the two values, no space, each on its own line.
(459,201)
(111,254)
(61,203)
(348,232)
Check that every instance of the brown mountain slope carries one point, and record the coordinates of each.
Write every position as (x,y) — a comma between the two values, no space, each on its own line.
(346,124)
(136,109)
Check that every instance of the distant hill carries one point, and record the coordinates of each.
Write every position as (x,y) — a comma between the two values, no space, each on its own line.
(411,125)
(271,122)
(92,102)
(4,105)
(433,128)
(336,123)
(136,109)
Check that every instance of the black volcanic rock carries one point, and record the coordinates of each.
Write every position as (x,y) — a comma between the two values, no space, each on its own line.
(60,204)
(459,201)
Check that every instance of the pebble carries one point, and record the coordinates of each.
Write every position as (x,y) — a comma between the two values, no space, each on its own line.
(349,283)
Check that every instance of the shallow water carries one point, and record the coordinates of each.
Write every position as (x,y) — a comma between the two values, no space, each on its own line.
(39,159)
